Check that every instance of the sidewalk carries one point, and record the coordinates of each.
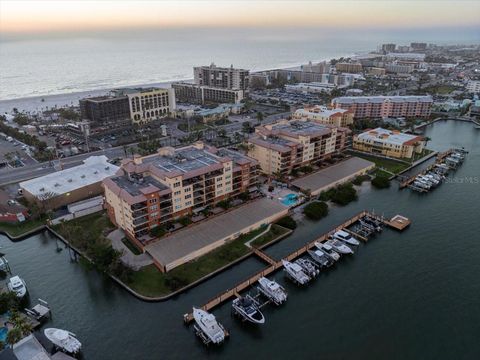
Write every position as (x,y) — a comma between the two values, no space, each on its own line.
(128,258)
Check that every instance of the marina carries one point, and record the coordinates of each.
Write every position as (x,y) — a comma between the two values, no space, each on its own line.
(295,271)
(433,175)
(390,272)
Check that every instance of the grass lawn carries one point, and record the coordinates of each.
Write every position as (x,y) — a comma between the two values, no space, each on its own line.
(275,231)
(85,230)
(389,165)
(150,281)
(21,228)
(131,246)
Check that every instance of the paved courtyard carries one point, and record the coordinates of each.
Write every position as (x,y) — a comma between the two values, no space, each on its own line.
(333,175)
(196,240)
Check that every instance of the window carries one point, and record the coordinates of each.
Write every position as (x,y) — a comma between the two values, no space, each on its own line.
(177,200)
(154,215)
(154,207)
(177,207)
(219,186)
(188,203)
(177,184)
(188,196)
(177,193)
(152,201)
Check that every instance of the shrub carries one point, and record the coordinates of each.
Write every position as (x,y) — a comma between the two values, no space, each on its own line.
(224,203)
(185,221)
(158,231)
(287,222)
(344,194)
(316,210)
(381,182)
(360,179)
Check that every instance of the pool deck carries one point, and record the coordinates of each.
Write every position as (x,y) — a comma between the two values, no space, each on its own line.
(196,240)
(334,175)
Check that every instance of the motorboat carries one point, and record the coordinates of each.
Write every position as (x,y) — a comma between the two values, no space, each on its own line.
(247,308)
(328,250)
(3,263)
(339,246)
(63,339)
(346,238)
(295,272)
(272,290)
(17,285)
(320,258)
(209,326)
(308,267)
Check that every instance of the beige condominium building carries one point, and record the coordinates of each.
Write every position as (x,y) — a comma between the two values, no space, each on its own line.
(323,115)
(153,190)
(287,145)
(221,77)
(149,104)
(385,106)
(389,143)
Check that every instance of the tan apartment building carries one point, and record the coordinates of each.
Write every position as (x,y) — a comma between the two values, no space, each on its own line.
(152,190)
(389,143)
(323,115)
(349,67)
(200,94)
(287,145)
(149,104)
(385,106)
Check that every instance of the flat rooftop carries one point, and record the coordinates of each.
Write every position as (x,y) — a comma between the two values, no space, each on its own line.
(301,128)
(381,99)
(326,178)
(93,170)
(183,160)
(388,136)
(211,233)
(135,187)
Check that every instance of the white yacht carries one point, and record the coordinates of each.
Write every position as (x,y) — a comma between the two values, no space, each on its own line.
(320,258)
(209,326)
(272,290)
(247,308)
(63,339)
(328,250)
(308,267)
(339,246)
(295,272)
(346,238)
(17,285)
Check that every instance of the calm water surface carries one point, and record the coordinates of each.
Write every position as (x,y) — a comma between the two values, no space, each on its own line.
(413,295)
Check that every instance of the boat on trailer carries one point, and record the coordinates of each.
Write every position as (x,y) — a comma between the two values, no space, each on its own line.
(64,340)
(272,290)
(246,307)
(207,327)
(308,267)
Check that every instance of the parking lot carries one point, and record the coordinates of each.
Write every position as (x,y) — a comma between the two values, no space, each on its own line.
(10,151)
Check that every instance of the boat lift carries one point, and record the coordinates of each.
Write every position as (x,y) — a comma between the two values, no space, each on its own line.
(39,312)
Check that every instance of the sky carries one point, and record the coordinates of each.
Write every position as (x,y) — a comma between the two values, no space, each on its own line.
(23,17)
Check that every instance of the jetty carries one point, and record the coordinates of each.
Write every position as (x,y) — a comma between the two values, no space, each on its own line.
(398,222)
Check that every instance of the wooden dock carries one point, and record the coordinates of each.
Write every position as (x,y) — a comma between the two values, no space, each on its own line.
(398,222)
(440,157)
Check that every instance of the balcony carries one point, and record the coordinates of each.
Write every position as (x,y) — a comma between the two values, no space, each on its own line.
(139,213)
(139,206)
(140,221)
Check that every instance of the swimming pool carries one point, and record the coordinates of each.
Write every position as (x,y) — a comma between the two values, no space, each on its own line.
(290,199)
(3,334)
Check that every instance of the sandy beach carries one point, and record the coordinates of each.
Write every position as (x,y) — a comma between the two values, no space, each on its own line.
(40,103)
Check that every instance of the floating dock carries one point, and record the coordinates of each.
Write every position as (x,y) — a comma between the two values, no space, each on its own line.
(398,222)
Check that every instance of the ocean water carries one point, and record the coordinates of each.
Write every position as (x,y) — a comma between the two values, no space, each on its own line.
(40,66)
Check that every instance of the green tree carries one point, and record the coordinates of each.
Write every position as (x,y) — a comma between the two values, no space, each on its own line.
(316,210)
(14,336)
